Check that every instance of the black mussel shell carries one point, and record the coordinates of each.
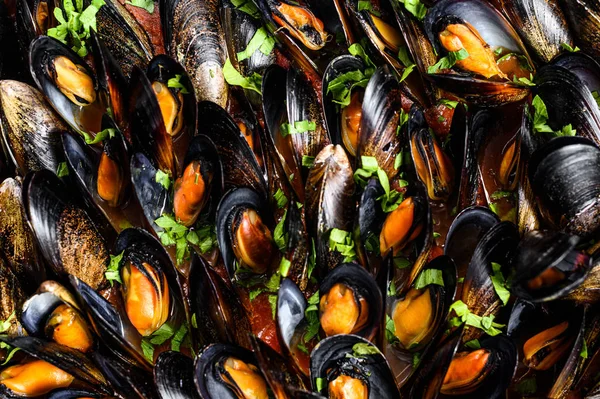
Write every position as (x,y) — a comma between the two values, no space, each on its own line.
(153,196)
(129,380)
(291,321)
(16,237)
(329,201)
(584,16)
(333,116)
(73,394)
(370,213)
(114,329)
(148,132)
(335,355)
(547,266)
(62,229)
(220,315)
(569,101)
(379,120)
(231,202)
(240,168)
(208,369)
(36,311)
(465,232)
(30,128)
(542,25)
(173,376)
(42,53)
(565,176)
(582,65)
(66,359)
(362,283)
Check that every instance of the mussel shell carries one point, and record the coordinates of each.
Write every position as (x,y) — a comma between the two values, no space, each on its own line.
(72,240)
(220,315)
(42,53)
(173,376)
(362,283)
(207,375)
(194,36)
(152,196)
(115,330)
(329,201)
(123,36)
(495,31)
(73,394)
(240,168)
(30,128)
(584,16)
(498,245)
(291,306)
(337,67)
(275,368)
(16,238)
(65,358)
(568,100)
(379,120)
(232,201)
(582,65)
(541,24)
(541,250)
(374,367)
(465,232)
(36,311)
(148,131)
(370,213)
(12,297)
(565,176)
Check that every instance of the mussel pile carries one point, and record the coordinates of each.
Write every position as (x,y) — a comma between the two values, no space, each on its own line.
(286,199)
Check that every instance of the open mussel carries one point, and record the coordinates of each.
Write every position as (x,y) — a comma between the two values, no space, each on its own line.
(547,266)
(565,176)
(68,83)
(53,366)
(226,371)
(349,302)
(30,128)
(350,364)
(244,233)
(71,241)
(52,314)
(489,55)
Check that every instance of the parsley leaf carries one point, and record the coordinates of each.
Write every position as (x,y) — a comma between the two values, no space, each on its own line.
(280,198)
(261,41)
(341,87)
(391,198)
(75,24)
(362,350)
(584,350)
(415,7)
(112,273)
(427,277)
(163,179)
(485,323)
(147,5)
(341,241)
(179,235)
(366,5)
(500,283)
(320,384)
(308,161)
(449,60)
(568,47)
(390,330)
(312,259)
(178,338)
(473,344)
(298,127)
(358,51)
(100,136)
(280,236)
(234,78)
(527,386)
(175,83)
(62,170)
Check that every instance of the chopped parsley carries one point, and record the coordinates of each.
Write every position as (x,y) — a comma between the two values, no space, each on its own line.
(428,277)
(341,241)
(234,78)
(390,330)
(147,5)
(500,283)
(308,161)
(280,236)
(363,350)
(448,103)
(112,273)
(75,24)
(312,259)
(163,179)
(402,263)
(261,41)
(280,198)
(247,6)
(527,386)
(485,323)
(4,326)
(473,344)
(540,120)
(100,136)
(584,350)
(415,7)
(449,60)
(62,170)
(370,168)
(298,127)
(175,83)
(312,318)
(180,236)
(568,47)
(366,5)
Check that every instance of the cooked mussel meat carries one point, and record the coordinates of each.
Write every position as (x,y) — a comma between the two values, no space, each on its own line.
(402,225)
